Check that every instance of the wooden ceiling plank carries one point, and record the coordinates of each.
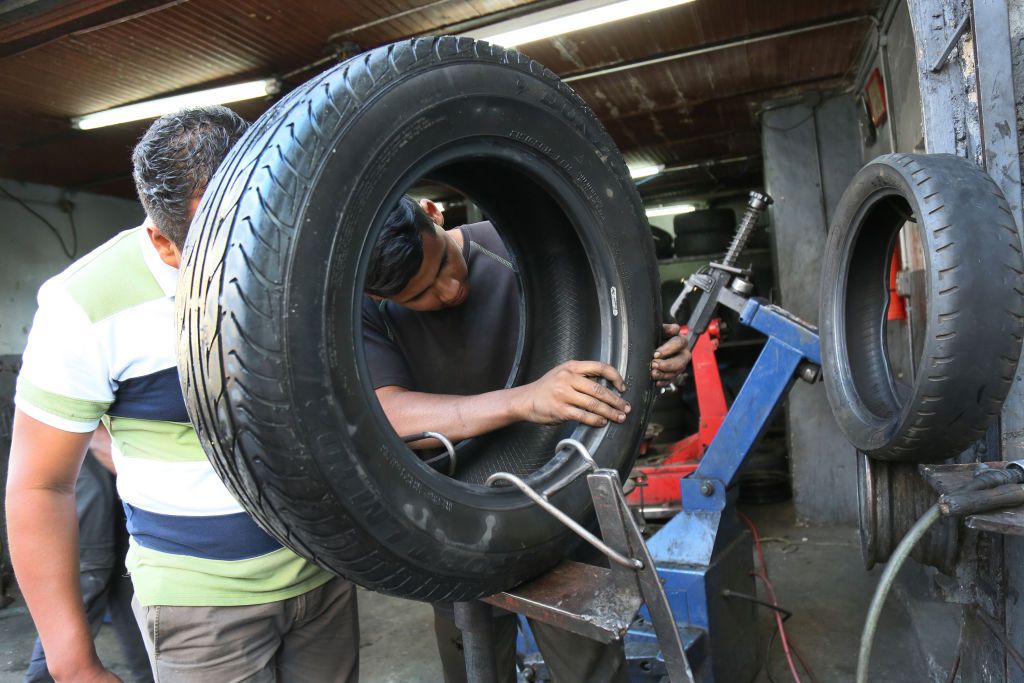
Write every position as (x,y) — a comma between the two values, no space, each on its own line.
(108,14)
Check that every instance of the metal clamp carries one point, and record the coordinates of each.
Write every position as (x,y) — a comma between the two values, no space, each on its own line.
(445,441)
(541,499)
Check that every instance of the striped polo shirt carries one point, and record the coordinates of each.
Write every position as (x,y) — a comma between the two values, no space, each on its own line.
(103,347)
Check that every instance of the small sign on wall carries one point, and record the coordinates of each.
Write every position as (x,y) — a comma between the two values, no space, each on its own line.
(874,98)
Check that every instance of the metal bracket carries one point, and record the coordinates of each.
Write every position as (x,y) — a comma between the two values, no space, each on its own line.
(592,601)
(961,29)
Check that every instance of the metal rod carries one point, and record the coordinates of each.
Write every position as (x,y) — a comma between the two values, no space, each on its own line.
(683,54)
(709,162)
(883,60)
(961,29)
(445,441)
(476,622)
(580,448)
(383,20)
(565,519)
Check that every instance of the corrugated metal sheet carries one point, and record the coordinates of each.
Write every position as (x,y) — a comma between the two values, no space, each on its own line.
(685,109)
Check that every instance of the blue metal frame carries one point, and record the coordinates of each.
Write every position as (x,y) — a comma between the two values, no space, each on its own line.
(704,546)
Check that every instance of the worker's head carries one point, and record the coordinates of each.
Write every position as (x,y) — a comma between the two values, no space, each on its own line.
(415,263)
(173,163)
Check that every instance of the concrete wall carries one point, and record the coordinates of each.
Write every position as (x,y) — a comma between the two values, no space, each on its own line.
(1017,54)
(812,149)
(31,253)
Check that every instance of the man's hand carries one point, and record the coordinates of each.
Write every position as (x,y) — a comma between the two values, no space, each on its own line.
(96,674)
(671,358)
(568,393)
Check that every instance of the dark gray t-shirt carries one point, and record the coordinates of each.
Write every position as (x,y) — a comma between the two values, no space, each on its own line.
(465,350)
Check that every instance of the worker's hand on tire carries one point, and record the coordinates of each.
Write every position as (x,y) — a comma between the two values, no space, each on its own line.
(671,358)
(569,392)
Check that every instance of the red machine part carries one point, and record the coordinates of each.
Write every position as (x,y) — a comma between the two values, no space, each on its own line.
(897,306)
(657,486)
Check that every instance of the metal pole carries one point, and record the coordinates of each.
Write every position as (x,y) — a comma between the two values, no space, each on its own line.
(475,621)
(694,52)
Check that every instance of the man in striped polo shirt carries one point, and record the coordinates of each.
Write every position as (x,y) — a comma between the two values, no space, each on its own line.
(217,598)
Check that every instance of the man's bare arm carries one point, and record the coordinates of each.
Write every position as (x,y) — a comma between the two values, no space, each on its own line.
(43,530)
(567,392)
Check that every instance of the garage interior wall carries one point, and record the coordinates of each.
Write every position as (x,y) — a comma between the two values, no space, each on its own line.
(811,150)
(903,121)
(32,253)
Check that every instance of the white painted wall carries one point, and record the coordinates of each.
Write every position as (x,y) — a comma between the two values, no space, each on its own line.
(29,252)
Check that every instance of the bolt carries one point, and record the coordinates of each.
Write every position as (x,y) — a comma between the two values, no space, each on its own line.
(809,372)
(707,488)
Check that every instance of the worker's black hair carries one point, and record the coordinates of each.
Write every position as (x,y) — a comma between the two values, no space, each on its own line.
(175,159)
(398,253)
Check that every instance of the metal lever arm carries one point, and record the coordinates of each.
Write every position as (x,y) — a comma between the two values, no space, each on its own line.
(717,280)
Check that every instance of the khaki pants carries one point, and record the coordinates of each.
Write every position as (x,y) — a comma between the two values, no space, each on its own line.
(570,658)
(312,637)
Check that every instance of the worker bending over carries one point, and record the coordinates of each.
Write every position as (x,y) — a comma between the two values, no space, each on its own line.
(440,322)
(217,598)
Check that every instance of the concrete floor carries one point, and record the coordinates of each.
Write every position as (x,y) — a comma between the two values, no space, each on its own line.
(817,574)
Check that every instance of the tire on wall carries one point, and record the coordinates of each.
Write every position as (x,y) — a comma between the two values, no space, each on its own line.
(271,357)
(973,307)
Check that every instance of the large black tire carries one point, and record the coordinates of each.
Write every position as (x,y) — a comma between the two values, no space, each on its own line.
(974,307)
(271,355)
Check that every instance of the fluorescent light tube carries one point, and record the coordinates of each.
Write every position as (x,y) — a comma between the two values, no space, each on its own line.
(151,109)
(567,18)
(646,170)
(671,210)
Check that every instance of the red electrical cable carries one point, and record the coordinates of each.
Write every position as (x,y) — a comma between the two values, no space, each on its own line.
(762,573)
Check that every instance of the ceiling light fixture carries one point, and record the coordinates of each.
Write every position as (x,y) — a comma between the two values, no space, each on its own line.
(670,210)
(572,16)
(643,171)
(151,109)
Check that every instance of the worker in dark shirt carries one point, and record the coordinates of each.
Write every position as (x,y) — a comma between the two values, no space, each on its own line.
(440,323)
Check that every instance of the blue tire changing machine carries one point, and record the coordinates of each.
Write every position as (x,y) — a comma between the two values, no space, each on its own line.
(693,579)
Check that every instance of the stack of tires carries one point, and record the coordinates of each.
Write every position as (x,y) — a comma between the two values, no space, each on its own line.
(704,232)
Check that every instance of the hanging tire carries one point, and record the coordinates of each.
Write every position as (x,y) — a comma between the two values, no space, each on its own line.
(973,307)
(662,243)
(271,356)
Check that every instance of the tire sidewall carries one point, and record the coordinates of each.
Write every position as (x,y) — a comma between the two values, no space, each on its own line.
(367,470)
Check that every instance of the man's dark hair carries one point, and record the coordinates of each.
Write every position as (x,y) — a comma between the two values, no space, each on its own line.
(175,159)
(398,253)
